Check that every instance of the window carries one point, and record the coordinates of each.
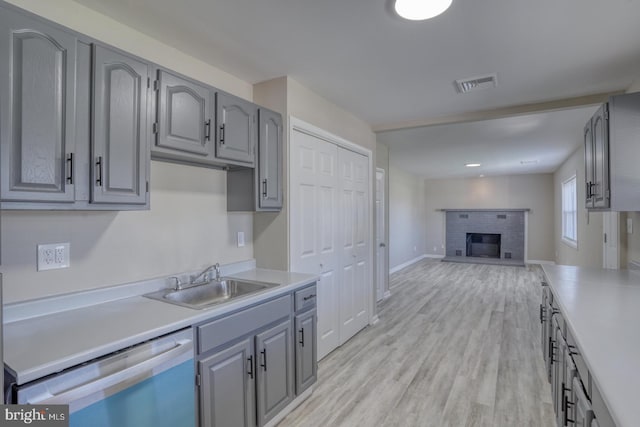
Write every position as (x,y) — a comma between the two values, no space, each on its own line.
(570,212)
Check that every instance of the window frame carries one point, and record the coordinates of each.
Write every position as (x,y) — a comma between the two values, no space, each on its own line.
(566,213)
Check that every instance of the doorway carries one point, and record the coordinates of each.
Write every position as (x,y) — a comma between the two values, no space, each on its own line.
(382,273)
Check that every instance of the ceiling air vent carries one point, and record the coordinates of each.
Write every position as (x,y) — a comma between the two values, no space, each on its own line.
(476,83)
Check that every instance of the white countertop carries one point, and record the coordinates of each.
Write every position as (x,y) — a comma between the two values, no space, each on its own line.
(602,311)
(38,346)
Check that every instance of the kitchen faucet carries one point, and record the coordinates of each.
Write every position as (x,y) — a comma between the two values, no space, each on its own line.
(215,267)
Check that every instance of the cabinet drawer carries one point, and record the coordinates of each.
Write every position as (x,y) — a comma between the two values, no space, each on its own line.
(306,298)
(225,329)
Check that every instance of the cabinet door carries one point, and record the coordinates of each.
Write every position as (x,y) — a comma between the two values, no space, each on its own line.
(269,160)
(588,163)
(601,158)
(274,380)
(184,116)
(37,110)
(236,129)
(119,143)
(544,328)
(228,387)
(306,353)
(583,411)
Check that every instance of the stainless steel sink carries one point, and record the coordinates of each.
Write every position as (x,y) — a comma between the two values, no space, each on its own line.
(211,293)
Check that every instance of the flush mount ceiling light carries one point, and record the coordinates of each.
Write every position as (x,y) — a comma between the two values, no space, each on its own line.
(418,10)
(472,165)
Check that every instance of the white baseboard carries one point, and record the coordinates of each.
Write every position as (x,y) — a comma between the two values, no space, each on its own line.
(633,265)
(406,264)
(386,295)
(539,261)
(434,256)
(375,319)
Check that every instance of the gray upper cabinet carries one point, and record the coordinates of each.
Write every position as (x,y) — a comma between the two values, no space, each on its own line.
(183,119)
(235,130)
(611,153)
(228,387)
(37,108)
(260,189)
(274,371)
(119,143)
(596,160)
(269,159)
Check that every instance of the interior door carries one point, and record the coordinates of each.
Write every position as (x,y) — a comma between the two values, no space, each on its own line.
(314,182)
(610,240)
(601,158)
(354,243)
(381,246)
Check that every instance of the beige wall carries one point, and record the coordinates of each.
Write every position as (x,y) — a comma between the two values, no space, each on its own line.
(406,217)
(534,192)
(382,162)
(589,251)
(632,248)
(187,227)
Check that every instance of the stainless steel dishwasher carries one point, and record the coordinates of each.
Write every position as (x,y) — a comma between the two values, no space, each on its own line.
(150,384)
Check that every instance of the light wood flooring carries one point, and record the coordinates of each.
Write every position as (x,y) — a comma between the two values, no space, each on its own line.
(456,345)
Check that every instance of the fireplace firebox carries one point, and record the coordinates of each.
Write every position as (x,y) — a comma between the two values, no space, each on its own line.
(483,245)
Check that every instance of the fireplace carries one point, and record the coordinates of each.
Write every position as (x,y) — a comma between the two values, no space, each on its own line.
(483,245)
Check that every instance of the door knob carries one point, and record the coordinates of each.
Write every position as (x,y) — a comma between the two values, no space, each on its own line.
(383,245)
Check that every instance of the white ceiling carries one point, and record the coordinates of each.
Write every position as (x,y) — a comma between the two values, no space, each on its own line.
(542,141)
(387,71)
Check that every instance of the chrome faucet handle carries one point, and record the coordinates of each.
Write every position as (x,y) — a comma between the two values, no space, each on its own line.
(177,284)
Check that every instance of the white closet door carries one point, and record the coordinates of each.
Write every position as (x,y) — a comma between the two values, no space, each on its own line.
(354,243)
(314,222)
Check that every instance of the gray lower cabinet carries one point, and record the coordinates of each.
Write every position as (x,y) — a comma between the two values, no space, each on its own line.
(584,416)
(235,130)
(306,350)
(260,189)
(37,110)
(228,386)
(274,371)
(184,119)
(119,144)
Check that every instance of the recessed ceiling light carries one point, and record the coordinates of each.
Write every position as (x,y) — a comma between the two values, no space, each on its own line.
(418,10)
(481,176)
(528,162)
(472,165)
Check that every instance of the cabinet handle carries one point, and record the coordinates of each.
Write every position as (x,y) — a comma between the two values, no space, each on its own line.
(264,359)
(301,332)
(250,362)
(70,168)
(222,134)
(207,130)
(552,350)
(99,171)
(264,188)
(542,314)
(565,406)
(587,190)
(309,297)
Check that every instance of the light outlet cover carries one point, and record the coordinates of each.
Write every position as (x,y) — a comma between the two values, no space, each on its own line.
(240,239)
(53,256)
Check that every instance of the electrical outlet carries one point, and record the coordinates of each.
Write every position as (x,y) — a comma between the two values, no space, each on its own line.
(240,239)
(435,249)
(53,256)
(629,225)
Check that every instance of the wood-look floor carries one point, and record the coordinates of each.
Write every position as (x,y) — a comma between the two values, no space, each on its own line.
(456,345)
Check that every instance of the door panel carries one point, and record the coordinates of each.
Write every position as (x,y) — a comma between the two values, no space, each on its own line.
(381,259)
(228,387)
(274,371)
(588,163)
(236,129)
(37,97)
(306,366)
(601,158)
(119,144)
(270,158)
(184,115)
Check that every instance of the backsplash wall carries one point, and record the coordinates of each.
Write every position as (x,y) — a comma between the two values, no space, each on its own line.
(187,228)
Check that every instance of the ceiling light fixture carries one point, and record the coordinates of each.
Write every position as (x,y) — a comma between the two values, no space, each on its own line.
(472,165)
(418,10)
